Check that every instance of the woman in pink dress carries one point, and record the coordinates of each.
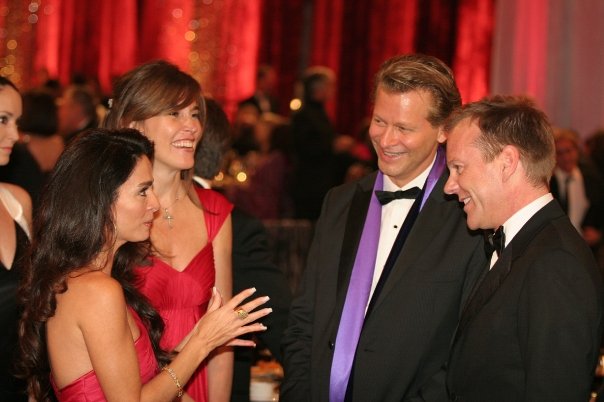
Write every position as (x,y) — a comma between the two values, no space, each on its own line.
(191,235)
(86,332)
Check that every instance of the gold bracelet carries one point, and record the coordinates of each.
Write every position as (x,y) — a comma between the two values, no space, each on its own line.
(174,378)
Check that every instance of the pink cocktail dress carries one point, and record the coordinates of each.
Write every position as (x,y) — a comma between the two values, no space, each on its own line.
(181,297)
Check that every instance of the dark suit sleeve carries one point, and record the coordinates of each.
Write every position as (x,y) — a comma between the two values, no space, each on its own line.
(594,189)
(297,340)
(253,266)
(435,389)
(558,311)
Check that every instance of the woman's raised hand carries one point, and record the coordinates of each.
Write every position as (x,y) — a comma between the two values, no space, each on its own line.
(224,324)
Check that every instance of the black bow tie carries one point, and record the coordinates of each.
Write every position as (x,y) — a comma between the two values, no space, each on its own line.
(384,197)
(494,241)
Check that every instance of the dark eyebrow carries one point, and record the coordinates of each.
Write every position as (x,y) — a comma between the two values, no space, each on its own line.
(146,184)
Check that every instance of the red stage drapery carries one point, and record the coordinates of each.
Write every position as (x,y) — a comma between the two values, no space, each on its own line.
(221,42)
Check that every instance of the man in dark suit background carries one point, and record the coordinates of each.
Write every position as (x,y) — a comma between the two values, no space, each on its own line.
(76,111)
(578,186)
(531,330)
(264,98)
(252,260)
(383,285)
(316,167)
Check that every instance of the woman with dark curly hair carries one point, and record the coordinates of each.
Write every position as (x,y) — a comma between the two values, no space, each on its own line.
(86,332)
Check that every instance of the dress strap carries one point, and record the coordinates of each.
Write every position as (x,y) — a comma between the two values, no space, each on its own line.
(15,210)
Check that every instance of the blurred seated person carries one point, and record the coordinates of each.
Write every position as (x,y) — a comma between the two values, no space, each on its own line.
(252,262)
(77,111)
(264,98)
(40,145)
(264,193)
(578,187)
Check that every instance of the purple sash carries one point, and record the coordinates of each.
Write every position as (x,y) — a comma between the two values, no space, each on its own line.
(361,279)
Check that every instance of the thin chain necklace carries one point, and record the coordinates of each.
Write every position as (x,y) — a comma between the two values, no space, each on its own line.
(167,215)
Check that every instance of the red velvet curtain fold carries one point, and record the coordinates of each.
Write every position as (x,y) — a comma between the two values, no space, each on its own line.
(221,42)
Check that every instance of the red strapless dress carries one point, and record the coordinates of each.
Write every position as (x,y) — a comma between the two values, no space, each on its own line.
(87,387)
(181,298)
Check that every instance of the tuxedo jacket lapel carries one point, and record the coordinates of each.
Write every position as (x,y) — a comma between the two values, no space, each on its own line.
(493,279)
(420,236)
(485,288)
(352,235)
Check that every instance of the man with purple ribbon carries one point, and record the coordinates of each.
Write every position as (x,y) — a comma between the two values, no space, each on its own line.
(392,260)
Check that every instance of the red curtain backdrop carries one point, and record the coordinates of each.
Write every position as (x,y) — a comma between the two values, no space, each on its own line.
(372,31)
(472,57)
(354,38)
(221,42)
(281,44)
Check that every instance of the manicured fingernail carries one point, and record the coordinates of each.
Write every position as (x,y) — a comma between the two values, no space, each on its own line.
(266,298)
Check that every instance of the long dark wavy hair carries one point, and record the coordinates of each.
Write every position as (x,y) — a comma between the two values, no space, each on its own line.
(74,223)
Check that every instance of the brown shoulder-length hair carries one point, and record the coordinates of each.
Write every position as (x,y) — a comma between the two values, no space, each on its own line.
(74,223)
(149,90)
(152,89)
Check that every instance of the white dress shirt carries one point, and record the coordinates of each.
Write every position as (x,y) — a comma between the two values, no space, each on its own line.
(393,216)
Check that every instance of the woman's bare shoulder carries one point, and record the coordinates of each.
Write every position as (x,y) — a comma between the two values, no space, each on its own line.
(95,291)
(22,198)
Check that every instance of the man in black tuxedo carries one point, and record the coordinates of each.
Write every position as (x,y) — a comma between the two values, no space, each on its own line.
(383,285)
(252,261)
(532,327)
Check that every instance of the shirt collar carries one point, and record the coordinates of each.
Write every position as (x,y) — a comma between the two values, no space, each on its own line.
(513,225)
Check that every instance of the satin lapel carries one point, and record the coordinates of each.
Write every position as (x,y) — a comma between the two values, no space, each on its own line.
(491,282)
(502,267)
(352,235)
(421,236)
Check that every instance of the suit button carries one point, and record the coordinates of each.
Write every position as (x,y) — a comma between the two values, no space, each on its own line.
(453,397)
(331,345)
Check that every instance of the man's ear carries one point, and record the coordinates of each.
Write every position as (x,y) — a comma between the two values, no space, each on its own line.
(441,136)
(509,159)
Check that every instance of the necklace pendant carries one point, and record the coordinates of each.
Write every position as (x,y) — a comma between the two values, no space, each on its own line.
(168,217)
